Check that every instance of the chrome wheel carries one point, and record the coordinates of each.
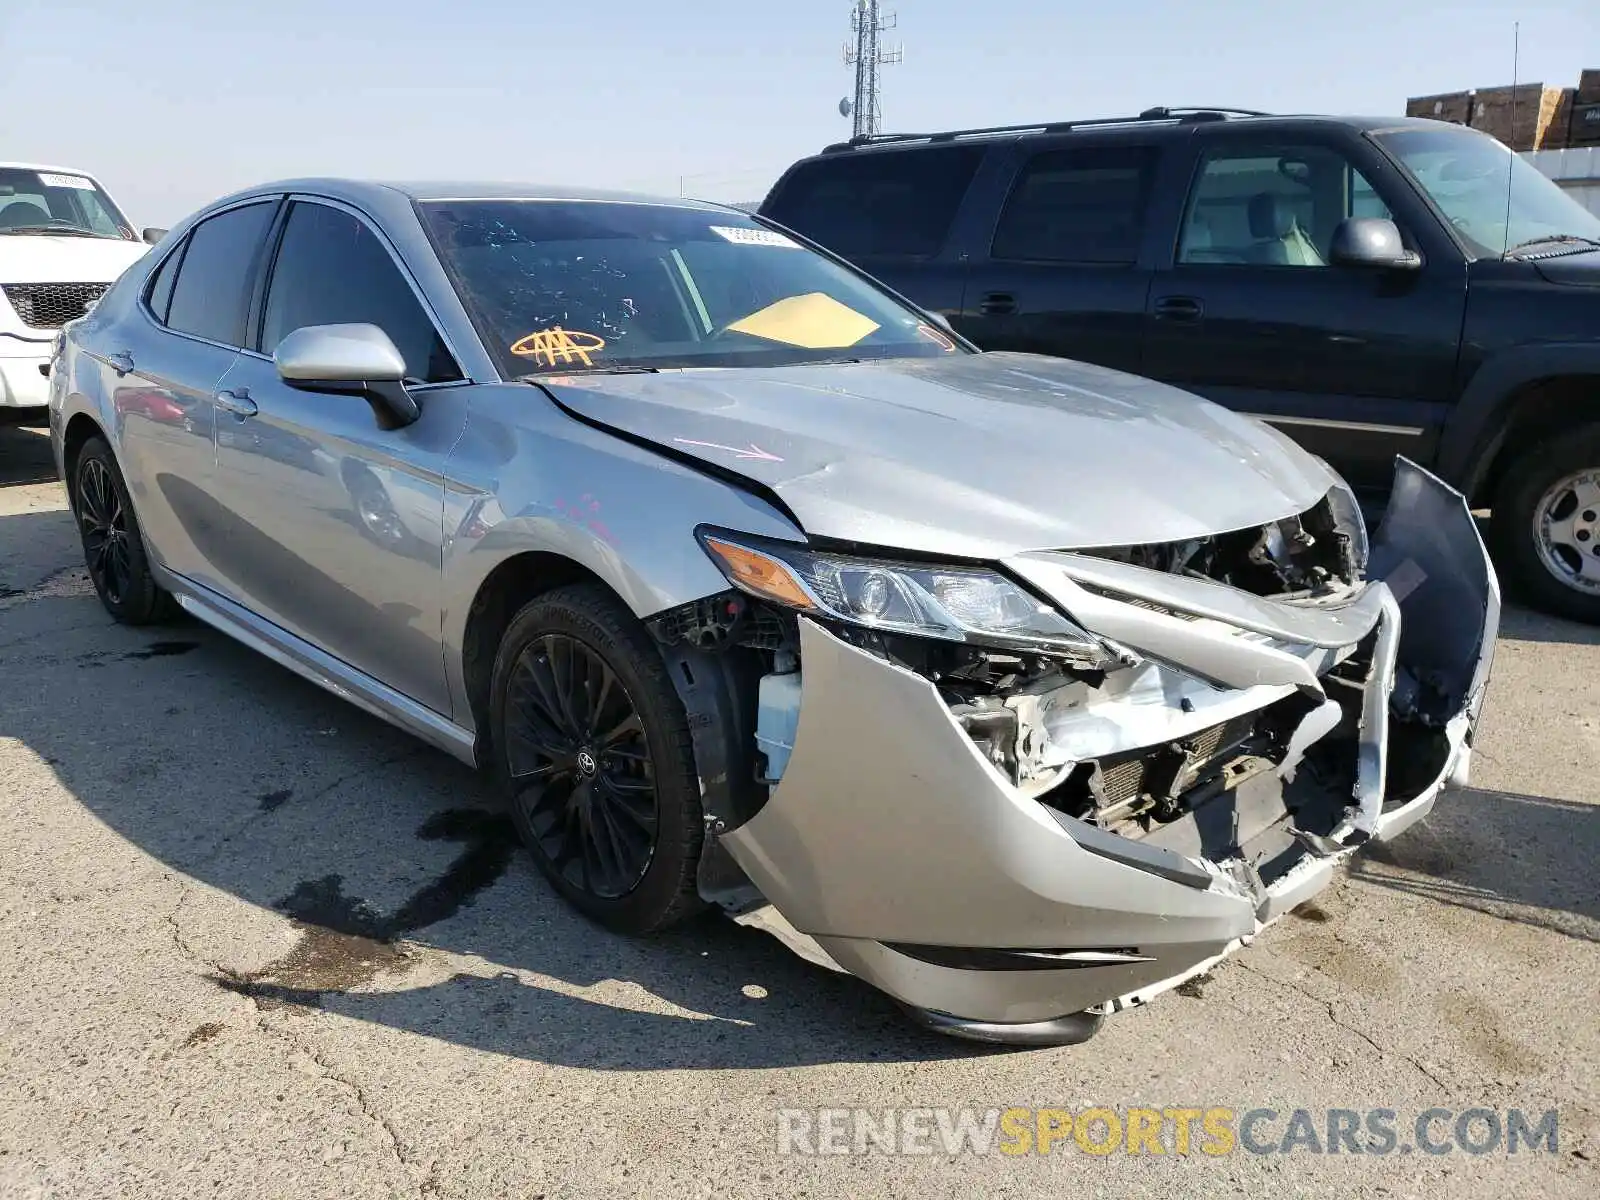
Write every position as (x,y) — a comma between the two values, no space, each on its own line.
(103,521)
(579,766)
(1566,531)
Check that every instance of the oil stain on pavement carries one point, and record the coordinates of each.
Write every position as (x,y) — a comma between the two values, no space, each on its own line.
(345,943)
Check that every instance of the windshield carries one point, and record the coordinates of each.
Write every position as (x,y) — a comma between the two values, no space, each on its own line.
(34,201)
(1466,174)
(579,285)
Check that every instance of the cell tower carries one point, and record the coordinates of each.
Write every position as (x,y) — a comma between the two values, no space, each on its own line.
(867,55)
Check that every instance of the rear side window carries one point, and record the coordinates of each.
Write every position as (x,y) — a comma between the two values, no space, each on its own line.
(1078,206)
(332,270)
(212,290)
(885,204)
(160,293)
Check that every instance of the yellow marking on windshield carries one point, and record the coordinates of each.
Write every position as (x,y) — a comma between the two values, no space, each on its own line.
(560,345)
(815,321)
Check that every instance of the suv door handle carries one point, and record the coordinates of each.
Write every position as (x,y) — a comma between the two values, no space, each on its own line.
(998,304)
(238,403)
(1179,308)
(121,362)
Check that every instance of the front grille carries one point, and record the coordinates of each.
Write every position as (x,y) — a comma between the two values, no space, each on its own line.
(52,305)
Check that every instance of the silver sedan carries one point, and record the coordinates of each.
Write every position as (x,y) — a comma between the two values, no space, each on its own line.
(1022,689)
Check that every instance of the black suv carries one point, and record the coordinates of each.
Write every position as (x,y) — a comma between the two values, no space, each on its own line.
(1373,287)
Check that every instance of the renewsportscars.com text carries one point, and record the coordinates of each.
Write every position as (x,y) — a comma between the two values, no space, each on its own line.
(1213,1131)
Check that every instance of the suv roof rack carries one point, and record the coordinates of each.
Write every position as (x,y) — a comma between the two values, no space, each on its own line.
(1177,115)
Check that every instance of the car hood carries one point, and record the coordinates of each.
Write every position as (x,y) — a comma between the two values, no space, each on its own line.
(1581,269)
(973,455)
(40,258)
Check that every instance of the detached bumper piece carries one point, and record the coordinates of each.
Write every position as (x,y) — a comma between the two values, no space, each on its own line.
(1014,871)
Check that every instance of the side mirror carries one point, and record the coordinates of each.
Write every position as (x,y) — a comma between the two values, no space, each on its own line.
(356,360)
(1371,242)
(152,235)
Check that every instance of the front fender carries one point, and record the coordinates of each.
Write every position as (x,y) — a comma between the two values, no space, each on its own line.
(526,478)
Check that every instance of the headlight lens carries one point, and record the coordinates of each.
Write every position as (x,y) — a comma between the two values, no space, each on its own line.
(1347,519)
(956,604)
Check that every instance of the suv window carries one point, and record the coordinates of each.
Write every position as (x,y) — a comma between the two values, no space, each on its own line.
(212,289)
(1273,206)
(1077,205)
(332,270)
(878,204)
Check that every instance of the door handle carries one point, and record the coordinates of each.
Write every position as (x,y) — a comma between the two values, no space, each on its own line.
(121,362)
(1179,308)
(237,402)
(998,304)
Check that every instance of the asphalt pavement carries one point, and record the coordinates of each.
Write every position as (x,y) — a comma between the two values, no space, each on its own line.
(254,942)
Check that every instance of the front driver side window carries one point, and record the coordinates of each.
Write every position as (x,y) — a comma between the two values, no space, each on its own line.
(332,270)
(1275,206)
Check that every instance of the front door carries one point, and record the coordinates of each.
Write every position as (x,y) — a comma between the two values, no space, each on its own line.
(1357,365)
(336,522)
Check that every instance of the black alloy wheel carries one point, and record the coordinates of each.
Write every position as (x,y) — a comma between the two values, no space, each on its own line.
(113,545)
(103,520)
(580,767)
(590,743)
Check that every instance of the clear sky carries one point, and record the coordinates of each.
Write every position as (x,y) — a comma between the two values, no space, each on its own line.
(173,102)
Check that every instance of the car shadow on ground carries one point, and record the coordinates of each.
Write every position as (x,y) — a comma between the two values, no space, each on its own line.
(24,451)
(1525,859)
(233,772)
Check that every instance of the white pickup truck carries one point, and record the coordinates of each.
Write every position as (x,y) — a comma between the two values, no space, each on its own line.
(63,242)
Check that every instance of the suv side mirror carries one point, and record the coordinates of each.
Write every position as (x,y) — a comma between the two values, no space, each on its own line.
(151,235)
(356,360)
(1371,242)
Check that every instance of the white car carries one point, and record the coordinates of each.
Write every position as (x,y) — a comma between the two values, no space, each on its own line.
(63,242)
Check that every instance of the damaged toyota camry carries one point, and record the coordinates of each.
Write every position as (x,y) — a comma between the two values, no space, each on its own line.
(1021,689)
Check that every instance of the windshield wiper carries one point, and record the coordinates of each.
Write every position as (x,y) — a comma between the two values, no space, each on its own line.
(614,369)
(67,231)
(1553,237)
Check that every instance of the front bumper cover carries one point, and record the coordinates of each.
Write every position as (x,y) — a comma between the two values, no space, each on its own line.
(893,847)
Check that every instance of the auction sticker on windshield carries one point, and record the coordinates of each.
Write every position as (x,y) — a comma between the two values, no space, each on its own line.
(815,321)
(754,237)
(66,181)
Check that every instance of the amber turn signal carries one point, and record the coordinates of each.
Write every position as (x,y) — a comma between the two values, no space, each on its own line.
(756,572)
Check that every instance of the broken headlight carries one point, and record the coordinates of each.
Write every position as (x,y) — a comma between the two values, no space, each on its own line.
(956,604)
(1349,522)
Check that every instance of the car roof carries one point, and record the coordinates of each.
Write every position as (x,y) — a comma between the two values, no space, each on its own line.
(1176,120)
(379,191)
(53,169)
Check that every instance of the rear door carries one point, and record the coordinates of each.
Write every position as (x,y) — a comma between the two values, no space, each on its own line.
(162,380)
(889,211)
(1063,269)
(336,524)
(1357,365)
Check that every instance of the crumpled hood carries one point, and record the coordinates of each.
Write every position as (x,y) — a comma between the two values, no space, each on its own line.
(40,258)
(975,455)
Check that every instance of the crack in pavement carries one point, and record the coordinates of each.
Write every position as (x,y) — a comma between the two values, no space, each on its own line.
(1341,1023)
(423,1175)
(178,938)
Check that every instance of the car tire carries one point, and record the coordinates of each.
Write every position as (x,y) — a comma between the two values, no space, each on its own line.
(612,818)
(113,545)
(1532,502)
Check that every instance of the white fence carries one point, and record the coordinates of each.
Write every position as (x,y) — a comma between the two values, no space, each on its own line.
(1576,170)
